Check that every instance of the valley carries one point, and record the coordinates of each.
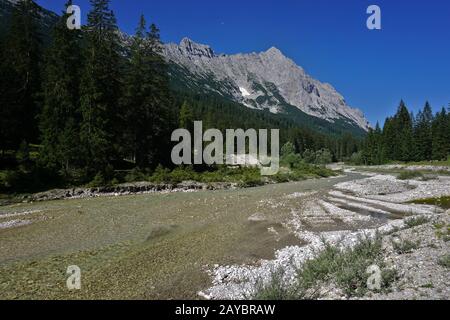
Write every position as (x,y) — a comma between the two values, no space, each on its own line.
(204,244)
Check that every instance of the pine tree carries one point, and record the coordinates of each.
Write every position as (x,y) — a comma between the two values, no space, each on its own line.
(21,77)
(389,139)
(186,117)
(163,113)
(61,116)
(404,143)
(101,88)
(146,99)
(423,134)
(441,136)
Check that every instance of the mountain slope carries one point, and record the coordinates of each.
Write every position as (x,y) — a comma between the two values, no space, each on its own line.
(266,80)
(47,19)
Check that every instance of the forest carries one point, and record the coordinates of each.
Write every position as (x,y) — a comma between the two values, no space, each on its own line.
(407,137)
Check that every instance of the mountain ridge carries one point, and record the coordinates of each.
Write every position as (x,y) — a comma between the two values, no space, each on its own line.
(265,80)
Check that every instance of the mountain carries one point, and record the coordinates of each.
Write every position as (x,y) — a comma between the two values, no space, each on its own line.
(267,80)
(47,18)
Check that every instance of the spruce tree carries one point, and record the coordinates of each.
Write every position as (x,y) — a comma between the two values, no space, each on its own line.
(186,117)
(423,134)
(146,99)
(21,76)
(100,89)
(389,139)
(61,116)
(404,143)
(441,136)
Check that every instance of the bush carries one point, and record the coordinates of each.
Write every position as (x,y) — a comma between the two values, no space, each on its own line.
(323,157)
(416,221)
(274,289)
(346,269)
(445,261)
(405,246)
(161,175)
(356,158)
(137,175)
(409,175)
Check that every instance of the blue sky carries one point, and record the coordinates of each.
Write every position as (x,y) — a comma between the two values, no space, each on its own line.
(409,58)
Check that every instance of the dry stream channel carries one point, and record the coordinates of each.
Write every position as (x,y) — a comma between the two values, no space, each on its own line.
(177,245)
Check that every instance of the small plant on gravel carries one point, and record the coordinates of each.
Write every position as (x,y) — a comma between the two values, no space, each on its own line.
(345,269)
(409,175)
(348,268)
(275,288)
(405,246)
(445,261)
(416,221)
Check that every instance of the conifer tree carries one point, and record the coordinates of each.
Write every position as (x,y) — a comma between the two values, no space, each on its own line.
(441,136)
(21,76)
(101,88)
(146,98)
(186,117)
(61,116)
(404,146)
(423,133)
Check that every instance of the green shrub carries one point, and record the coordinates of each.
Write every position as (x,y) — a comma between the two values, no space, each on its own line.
(136,175)
(161,175)
(409,175)
(445,261)
(356,158)
(405,246)
(98,181)
(416,221)
(274,289)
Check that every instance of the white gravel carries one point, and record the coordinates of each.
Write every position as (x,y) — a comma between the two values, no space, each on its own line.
(382,191)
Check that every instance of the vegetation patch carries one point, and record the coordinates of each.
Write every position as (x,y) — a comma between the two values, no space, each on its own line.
(409,175)
(416,221)
(346,270)
(443,202)
(445,261)
(405,246)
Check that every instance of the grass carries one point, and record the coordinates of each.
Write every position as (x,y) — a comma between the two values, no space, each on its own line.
(345,269)
(442,231)
(443,202)
(416,221)
(409,175)
(405,246)
(444,261)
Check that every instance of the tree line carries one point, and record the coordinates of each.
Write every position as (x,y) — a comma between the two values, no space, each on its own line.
(408,137)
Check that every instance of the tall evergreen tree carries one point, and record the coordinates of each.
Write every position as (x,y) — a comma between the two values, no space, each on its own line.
(145,98)
(101,88)
(423,133)
(404,142)
(61,116)
(389,139)
(186,117)
(441,136)
(21,77)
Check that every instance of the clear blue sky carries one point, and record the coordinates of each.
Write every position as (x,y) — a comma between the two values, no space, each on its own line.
(409,58)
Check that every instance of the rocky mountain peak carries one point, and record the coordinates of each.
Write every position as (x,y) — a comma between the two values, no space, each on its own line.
(267,80)
(273,51)
(196,49)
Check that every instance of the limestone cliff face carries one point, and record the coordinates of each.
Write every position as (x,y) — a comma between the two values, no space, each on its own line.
(266,80)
